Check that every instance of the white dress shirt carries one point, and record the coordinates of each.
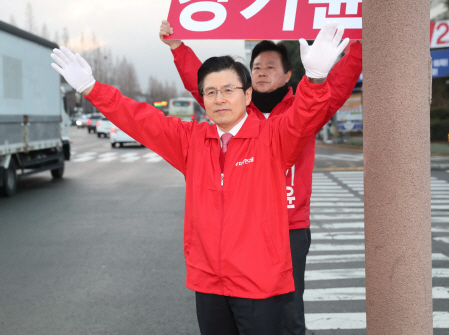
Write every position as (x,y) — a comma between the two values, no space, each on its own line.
(234,129)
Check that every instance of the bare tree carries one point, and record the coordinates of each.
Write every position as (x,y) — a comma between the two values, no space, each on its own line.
(30,24)
(126,78)
(12,21)
(65,37)
(56,38)
(161,91)
(44,33)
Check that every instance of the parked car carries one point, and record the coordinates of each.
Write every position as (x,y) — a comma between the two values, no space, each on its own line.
(103,127)
(119,137)
(187,109)
(92,122)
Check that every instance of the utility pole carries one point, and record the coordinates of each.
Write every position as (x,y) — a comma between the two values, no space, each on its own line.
(396,99)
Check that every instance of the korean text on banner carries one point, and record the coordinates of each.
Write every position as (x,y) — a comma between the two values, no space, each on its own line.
(262,19)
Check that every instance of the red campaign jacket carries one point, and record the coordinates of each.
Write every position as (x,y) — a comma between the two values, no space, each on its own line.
(235,244)
(342,79)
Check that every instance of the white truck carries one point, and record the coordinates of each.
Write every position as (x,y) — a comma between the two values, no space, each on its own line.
(34,127)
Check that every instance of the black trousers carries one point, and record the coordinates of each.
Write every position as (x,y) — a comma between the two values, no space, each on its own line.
(293,314)
(221,315)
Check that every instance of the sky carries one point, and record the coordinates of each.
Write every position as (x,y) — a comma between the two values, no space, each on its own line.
(128,28)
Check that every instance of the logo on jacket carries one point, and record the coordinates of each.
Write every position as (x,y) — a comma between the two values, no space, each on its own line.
(245,161)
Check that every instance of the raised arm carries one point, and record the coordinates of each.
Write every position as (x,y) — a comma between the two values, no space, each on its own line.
(187,63)
(342,80)
(169,137)
(299,123)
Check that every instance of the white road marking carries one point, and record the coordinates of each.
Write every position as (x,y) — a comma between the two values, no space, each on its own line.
(440,320)
(153,157)
(343,194)
(348,198)
(84,157)
(444,239)
(440,207)
(345,258)
(337,217)
(336,210)
(336,204)
(329,321)
(328,187)
(107,157)
(340,157)
(440,229)
(339,236)
(349,258)
(345,225)
(440,219)
(356,293)
(336,274)
(129,157)
(336,247)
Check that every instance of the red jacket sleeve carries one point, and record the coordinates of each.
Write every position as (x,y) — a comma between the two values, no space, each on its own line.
(297,125)
(342,79)
(188,64)
(167,136)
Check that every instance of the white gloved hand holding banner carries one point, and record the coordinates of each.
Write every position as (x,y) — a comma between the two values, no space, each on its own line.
(73,68)
(319,57)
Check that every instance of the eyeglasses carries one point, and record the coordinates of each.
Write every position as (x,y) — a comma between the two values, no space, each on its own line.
(226,90)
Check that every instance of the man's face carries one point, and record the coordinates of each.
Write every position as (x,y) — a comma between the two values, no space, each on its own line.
(268,72)
(226,110)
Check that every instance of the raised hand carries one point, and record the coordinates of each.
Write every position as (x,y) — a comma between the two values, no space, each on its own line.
(167,30)
(319,57)
(73,68)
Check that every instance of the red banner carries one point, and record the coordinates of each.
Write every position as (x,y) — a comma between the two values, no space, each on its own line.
(262,19)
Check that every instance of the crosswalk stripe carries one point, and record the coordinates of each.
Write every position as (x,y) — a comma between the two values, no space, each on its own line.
(342,194)
(336,210)
(339,236)
(347,197)
(356,293)
(345,225)
(336,274)
(346,321)
(337,217)
(359,257)
(444,239)
(336,247)
(440,219)
(336,204)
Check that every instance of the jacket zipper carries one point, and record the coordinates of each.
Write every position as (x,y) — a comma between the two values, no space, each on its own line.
(221,234)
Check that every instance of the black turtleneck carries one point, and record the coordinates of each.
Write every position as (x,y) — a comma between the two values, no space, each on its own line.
(267,101)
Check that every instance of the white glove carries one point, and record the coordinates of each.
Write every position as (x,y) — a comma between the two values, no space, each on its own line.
(73,68)
(319,57)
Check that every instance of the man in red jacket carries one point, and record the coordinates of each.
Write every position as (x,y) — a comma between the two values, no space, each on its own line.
(271,68)
(236,247)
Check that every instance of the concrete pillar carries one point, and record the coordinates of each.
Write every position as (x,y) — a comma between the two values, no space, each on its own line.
(396,101)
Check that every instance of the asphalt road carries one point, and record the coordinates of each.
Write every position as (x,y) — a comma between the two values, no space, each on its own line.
(101,251)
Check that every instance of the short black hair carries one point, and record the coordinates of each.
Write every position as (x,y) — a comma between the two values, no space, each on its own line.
(266,45)
(218,64)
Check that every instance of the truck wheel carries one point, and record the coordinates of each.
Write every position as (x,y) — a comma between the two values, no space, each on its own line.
(9,180)
(57,173)
(98,135)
